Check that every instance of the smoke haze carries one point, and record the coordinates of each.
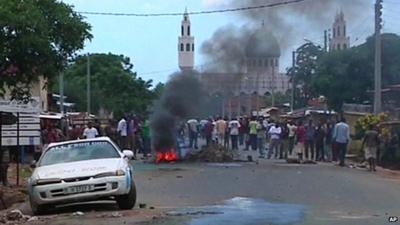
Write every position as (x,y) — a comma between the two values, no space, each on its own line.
(290,24)
(182,99)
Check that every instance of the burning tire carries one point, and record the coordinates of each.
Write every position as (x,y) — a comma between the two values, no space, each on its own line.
(127,201)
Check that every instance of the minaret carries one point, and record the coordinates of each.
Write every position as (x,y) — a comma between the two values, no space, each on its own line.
(339,39)
(186,45)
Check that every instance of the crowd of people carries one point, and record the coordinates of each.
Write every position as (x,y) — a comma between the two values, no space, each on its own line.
(313,140)
(129,133)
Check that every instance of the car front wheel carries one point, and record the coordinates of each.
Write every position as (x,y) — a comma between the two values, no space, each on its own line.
(127,201)
(38,209)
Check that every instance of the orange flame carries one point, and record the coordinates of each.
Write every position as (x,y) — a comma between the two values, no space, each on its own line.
(168,156)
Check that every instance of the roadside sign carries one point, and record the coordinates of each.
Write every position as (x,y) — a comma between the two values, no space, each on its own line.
(29,122)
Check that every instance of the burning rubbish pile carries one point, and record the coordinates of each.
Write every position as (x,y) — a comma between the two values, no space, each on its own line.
(211,153)
(182,98)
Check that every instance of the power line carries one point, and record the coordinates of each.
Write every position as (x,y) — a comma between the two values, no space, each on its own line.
(193,13)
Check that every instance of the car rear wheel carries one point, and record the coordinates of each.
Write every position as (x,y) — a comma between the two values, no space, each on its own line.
(127,201)
(38,209)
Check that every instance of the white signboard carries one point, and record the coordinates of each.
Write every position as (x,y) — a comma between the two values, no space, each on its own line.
(32,106)
(29,122)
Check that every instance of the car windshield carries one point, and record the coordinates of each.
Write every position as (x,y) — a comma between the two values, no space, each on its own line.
(79,152)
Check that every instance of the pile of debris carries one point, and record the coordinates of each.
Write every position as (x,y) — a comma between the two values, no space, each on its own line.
(211,153)
(16,217)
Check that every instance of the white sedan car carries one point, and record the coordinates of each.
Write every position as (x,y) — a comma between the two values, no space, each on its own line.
(82,170)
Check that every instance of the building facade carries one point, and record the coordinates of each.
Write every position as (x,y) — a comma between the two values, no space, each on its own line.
(243,91)
(339,40)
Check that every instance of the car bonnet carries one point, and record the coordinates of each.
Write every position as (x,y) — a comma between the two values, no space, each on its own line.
(79,169)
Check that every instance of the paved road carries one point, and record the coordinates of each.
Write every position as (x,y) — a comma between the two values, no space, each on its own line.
(268,192)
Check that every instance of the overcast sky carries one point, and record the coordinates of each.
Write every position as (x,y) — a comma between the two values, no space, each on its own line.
(151,42)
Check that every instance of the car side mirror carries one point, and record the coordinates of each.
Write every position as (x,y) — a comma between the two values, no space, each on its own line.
(128,154)
(33,164)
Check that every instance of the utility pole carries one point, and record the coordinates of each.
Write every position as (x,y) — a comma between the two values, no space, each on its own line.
(61,84)
(88,95)
(293,80)
(273,83)
(378,52)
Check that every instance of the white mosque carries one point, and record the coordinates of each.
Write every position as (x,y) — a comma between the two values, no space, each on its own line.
(259,75)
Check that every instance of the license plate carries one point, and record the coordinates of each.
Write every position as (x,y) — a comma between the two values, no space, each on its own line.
(79,189)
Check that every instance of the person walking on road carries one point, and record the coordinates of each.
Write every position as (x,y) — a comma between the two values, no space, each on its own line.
(220,125)
(234,126)
(208,131)
(242,131)
(341,136)
(300,140)
(193,127)
(122,133)
(284,146)
(253,133)
(261,138)
(328,141)
(320,135)
(310,141)
(274,136)
(370,145)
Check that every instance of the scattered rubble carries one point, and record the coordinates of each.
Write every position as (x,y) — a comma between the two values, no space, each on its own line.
(211,153)
(297,161)
(78,213)
(142,205)
(116,214)
(15,217)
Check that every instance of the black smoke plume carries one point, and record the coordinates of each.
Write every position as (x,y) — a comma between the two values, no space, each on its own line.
(290,24)
(182,99)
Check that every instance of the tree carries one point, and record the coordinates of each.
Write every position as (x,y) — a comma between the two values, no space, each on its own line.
(158,90)
(347,75)
(305,69)
(36,37)
(114,86)
(344,76)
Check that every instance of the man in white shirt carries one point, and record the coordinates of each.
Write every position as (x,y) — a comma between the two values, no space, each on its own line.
(90,131)
(122,132)
(274,133)
(234,126)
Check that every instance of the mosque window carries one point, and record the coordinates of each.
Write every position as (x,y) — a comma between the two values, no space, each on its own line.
(192,47)
(188,31)
(344,46)
(276,62)
(338,31)
(272,62)
(266,62)
(344,30)
(182,47)
(182,32)
(334,32)
(259,62)
(188,47)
